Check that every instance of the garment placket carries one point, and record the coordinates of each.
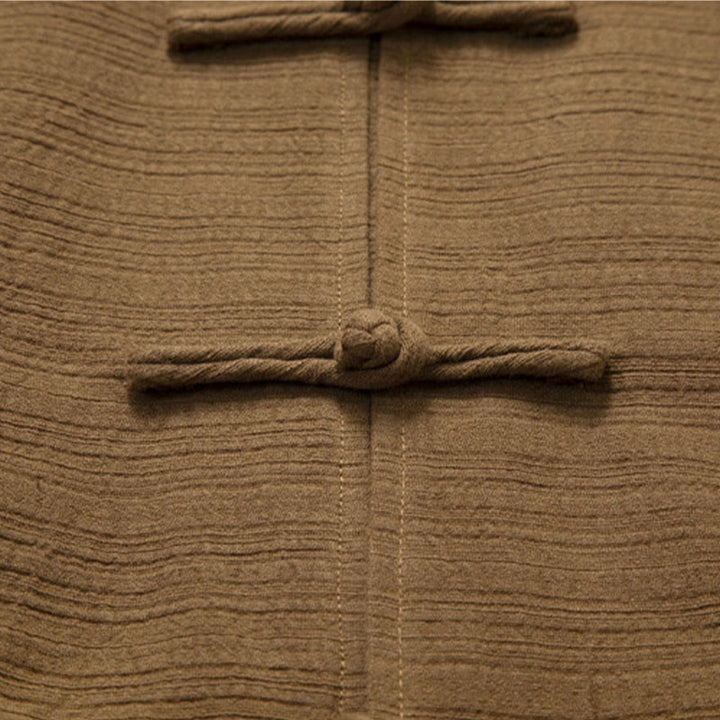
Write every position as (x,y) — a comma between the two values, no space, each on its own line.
(322,361)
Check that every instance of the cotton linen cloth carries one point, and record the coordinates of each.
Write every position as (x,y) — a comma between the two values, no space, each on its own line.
(501,550)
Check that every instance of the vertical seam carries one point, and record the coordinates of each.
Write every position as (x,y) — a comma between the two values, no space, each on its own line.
(401,542)
(405,182)
(372,149)
(373,69)
(403,444)
(341,458)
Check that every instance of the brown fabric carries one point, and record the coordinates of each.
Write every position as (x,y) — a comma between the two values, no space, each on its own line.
(504,550)
(552,551)
(202,555)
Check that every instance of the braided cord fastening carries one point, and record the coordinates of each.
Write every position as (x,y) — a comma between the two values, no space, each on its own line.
(373,350)
(194,26)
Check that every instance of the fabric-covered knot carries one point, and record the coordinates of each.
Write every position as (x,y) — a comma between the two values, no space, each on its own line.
(197,26)
(373,350)
(369,339)
(376,350)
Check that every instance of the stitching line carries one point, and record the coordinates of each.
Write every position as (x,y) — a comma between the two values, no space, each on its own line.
(401,543)
(403,444)
(341,459)
(405,184)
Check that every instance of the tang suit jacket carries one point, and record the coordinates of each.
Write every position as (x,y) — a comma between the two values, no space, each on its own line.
(527,529)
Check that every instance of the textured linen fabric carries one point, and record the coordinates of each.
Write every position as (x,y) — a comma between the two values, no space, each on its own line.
(180,556)
(549,551)
(499,550)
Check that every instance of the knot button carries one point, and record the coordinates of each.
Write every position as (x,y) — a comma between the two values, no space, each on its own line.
(376,350)
(370,339)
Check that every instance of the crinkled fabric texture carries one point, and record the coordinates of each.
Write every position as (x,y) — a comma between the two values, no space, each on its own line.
(501,549)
